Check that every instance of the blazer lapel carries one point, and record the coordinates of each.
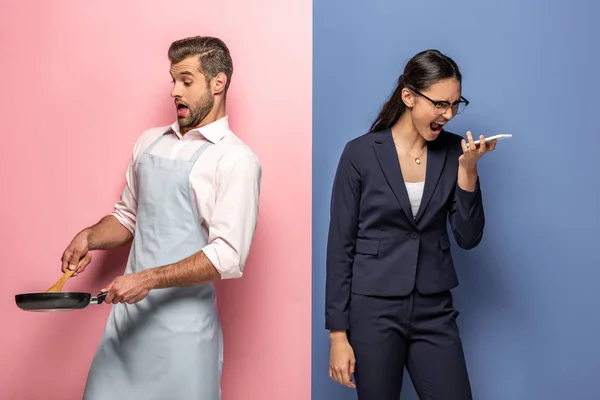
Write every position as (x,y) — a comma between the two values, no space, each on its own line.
(436,158)
(388,160)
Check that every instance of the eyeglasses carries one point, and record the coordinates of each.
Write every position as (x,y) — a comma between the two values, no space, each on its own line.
(440,107)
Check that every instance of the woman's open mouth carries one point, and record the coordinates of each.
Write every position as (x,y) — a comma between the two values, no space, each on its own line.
(436,127)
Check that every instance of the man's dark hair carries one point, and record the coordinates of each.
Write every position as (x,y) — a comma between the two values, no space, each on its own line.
(213,54)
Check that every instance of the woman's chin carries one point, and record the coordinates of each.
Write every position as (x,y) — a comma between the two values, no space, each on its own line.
(430,134)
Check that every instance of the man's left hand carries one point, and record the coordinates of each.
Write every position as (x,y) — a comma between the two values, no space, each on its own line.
(129,288)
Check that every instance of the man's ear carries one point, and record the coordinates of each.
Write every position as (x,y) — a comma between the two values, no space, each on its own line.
(218,83)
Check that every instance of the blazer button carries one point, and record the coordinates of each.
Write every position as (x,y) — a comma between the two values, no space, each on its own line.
(414,235)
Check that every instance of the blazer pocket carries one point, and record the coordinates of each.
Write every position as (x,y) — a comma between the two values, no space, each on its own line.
(444,242)
(367,246)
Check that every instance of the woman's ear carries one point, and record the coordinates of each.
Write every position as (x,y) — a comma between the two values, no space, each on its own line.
(408,98)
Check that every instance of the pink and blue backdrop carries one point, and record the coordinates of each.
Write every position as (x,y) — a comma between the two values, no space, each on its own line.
(80,81)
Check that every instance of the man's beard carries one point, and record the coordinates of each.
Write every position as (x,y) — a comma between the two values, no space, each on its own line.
(197,113)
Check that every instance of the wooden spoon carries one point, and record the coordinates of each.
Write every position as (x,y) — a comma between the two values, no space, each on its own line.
(57,287)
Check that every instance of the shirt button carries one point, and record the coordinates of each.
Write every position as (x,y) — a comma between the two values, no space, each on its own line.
(414,235)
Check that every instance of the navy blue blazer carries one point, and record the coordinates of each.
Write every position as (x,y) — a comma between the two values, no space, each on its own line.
(375,245)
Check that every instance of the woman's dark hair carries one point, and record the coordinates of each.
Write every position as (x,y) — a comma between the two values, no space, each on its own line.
(422,71)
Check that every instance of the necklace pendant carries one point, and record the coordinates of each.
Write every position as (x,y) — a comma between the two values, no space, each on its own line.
(418,160)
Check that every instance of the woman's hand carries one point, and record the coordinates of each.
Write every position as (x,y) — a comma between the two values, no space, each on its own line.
(472,153)
(342,361)
(467,162)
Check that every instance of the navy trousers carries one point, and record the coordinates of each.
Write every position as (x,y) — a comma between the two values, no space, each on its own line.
(416,331)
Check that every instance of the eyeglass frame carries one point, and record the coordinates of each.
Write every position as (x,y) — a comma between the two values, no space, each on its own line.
(436,102)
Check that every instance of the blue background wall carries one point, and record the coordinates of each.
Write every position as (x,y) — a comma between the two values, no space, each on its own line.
(529,293)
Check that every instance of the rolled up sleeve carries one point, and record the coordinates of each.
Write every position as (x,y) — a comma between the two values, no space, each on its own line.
(234,219)
(125,210)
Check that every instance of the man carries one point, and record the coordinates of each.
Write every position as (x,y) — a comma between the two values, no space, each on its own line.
(190,206)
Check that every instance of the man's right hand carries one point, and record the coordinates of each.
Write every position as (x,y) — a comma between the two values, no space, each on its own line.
(75,251)
(342,361)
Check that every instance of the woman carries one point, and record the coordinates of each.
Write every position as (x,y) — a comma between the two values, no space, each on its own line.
(389,266)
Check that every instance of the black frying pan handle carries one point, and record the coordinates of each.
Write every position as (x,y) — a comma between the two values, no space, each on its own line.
(100,298)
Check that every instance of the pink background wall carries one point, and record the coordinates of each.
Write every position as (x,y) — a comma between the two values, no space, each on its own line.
(79,85)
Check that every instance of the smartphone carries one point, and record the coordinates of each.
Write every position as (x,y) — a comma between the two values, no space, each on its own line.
(495,137)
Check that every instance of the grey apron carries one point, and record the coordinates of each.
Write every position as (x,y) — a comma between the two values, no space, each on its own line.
(169,345)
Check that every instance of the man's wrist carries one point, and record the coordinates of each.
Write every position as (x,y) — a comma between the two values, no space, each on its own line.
(148,278)
(87,234)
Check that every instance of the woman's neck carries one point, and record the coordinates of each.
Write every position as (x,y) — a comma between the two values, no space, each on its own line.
(405,134)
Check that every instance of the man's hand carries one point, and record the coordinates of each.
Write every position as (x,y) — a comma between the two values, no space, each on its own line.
(75,251)
(108,233)
(129,288)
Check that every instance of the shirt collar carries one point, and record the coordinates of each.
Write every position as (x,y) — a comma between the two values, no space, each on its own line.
(213,132)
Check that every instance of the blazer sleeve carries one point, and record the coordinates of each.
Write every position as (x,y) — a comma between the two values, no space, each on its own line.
(467,217)
(343,228)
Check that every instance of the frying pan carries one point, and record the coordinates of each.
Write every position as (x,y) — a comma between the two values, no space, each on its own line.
(61,301)
(55,300)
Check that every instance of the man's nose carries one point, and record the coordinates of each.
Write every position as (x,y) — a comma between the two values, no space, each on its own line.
(176,92)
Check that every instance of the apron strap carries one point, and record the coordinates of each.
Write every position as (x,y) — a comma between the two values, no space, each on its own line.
(149,148)
(199,152)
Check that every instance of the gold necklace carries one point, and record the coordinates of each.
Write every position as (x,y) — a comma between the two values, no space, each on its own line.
(417,159)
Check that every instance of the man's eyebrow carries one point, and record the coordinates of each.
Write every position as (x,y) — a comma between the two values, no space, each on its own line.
(183,73)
